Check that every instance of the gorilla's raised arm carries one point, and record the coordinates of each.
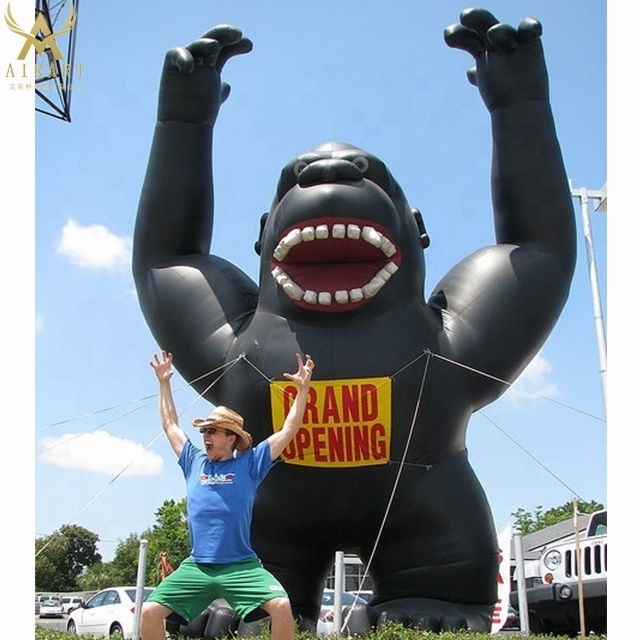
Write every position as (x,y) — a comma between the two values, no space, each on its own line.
(175,214)
(173,270)
(524,280)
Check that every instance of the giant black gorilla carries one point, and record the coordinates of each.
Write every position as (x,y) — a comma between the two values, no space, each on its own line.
(342,278)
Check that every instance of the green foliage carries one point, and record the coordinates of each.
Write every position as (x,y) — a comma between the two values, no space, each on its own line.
(170,535)
(390,632)
(100,576)
(125,560)
(528,523)
(61,557)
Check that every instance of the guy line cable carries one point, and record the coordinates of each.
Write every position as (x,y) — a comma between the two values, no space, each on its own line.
(227,368)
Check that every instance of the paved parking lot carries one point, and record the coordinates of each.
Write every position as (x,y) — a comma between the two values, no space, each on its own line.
(57,624)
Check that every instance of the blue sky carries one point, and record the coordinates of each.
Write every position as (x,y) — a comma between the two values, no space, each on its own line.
(375,74)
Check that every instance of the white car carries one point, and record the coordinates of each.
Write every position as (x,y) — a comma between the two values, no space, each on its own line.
(326,617)
(51,608)
(71,602)
(109,613)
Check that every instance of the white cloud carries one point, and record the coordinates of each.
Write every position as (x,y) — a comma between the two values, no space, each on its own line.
(533,382)
(100,452)
(39,322)
(94,246)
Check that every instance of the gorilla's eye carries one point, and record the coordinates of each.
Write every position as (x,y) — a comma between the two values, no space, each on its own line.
(298,167)
(361,162)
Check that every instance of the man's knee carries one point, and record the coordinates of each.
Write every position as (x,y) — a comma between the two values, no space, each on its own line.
(153,613)
(278,608)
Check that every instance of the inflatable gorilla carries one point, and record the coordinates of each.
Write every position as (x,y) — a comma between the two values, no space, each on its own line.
(342,278)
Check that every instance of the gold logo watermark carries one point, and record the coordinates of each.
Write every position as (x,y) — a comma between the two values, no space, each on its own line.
(40,26)
(50,73)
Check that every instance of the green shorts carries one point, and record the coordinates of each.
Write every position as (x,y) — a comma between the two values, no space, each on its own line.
(192,587)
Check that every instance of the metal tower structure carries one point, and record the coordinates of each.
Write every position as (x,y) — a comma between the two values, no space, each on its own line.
(55,76)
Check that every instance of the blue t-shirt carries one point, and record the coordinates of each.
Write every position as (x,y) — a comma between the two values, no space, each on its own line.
(220,498)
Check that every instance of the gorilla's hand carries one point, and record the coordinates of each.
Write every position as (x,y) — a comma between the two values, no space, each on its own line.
(510,65)
(190,88)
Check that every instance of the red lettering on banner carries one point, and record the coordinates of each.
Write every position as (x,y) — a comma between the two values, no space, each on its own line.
(345,423)
(350,406)
(351,443)
(360,442)
(330,411)
(336,445)
(369,410)
(379,445)
(319,446)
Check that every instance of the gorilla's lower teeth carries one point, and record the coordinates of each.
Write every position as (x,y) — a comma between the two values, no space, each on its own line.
(341,296)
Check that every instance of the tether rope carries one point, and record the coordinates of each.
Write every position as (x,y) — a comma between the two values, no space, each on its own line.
(514,386)
(393,491)
(564,484)
(402,462)
(227,367)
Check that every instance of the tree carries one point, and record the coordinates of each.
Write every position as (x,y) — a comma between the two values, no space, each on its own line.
(170,535)
(61,557)
(126,558)
(543,519)
(100,576)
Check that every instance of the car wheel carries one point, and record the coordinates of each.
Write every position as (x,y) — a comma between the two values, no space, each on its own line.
(116,632)
(71,626)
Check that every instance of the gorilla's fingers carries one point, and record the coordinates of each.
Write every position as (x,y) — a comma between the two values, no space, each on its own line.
(529,30)
(502,37)
(459,37)
(479,20)
(181,59)
(225,34)
(244,46)
(204,49)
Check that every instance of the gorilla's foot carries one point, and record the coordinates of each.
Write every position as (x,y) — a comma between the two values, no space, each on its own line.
(435,615)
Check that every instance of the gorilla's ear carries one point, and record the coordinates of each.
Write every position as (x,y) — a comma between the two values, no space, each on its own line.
(257,247)
(425,241)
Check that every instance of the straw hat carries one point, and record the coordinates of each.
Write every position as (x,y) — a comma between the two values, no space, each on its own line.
(225,418)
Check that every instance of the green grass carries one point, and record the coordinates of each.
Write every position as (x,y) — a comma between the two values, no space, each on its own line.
(391,632)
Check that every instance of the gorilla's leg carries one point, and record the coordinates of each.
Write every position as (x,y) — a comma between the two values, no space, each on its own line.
(290,544)
(437,560)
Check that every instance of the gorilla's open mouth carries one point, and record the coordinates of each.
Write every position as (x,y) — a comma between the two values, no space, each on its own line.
(334,264)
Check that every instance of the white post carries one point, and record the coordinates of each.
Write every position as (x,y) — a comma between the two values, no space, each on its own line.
(599,196)
(522,585)
(576,530)
(337,592)
(140,582)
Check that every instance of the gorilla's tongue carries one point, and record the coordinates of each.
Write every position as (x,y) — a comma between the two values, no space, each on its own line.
(332,276)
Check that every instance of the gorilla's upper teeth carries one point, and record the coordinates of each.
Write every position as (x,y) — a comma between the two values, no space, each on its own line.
(338,232)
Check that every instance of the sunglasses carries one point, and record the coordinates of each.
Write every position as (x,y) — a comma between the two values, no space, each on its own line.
(212,430)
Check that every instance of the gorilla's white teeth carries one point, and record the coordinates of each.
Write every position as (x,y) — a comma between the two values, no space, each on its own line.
(337,232)
(342,296)
(353,232)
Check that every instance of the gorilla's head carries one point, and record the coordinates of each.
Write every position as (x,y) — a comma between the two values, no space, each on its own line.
(340,233)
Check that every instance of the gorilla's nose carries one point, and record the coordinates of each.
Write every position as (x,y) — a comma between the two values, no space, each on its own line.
(329,170)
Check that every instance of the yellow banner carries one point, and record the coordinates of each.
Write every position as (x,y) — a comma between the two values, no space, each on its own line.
(347,423)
